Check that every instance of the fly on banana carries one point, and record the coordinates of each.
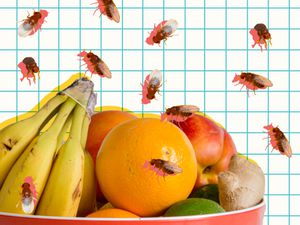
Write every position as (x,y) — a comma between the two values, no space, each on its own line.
(30,161)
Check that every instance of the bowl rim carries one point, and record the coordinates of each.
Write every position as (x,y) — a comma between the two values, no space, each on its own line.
(192,217)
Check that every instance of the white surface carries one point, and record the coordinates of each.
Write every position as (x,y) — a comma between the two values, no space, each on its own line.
(222,93)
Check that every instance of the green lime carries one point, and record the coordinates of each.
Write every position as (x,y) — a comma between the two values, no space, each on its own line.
(209,191)
(194,206)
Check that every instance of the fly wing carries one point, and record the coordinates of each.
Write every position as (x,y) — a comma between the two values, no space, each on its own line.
(188,108)
(155,78)
(25,29)
(145,100)
(263,80)
(27,205)
(104,68)
(170,26)
(115,16)
(173,167)
(286,147)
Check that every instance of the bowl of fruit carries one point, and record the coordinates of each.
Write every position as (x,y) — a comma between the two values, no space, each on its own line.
(71,164)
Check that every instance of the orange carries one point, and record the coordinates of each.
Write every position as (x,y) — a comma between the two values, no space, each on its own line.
(112,213)
(101,123)
(126,176)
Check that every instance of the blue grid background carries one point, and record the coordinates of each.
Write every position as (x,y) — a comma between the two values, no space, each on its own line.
(198,65)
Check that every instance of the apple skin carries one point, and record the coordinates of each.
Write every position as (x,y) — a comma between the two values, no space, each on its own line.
(213,147)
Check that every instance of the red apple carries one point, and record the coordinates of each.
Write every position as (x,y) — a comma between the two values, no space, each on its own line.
(213,147)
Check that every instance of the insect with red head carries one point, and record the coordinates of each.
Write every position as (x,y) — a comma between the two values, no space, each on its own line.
(28,195)
(179,113)
(151,85)
(278,140)
(162,31)
(163,167)
(27,198)
(95,65)
(28,68)
(32,23)
(260,35)
(108,8)
(252,81)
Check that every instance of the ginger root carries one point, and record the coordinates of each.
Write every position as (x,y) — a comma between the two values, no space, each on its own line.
(242,186)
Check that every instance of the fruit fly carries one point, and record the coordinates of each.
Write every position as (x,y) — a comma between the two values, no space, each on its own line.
(162,31)
(278,140)
(32,23)
(252,81)
(28,68)
(108,8)
(162,167)
(94,64)
(28,195)
(179,113)
(260,35)
(151,85)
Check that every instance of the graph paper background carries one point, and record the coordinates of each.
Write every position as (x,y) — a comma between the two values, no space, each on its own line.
(198,65)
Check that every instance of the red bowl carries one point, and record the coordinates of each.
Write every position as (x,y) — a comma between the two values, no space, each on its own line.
(250,216)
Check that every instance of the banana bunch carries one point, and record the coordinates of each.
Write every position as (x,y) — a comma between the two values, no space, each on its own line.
(50,173)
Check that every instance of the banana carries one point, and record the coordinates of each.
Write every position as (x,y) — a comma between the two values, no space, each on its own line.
(88,202)
(64,187)
(82,92)
(64,133)
(15,138)
(26,180)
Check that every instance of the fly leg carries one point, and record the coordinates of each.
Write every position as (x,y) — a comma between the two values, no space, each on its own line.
(29,80)
(96,11)
(34,78)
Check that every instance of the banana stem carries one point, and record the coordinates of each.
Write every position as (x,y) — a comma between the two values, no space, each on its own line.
(80,91)
(87,119)
(77,121)
(62,116)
